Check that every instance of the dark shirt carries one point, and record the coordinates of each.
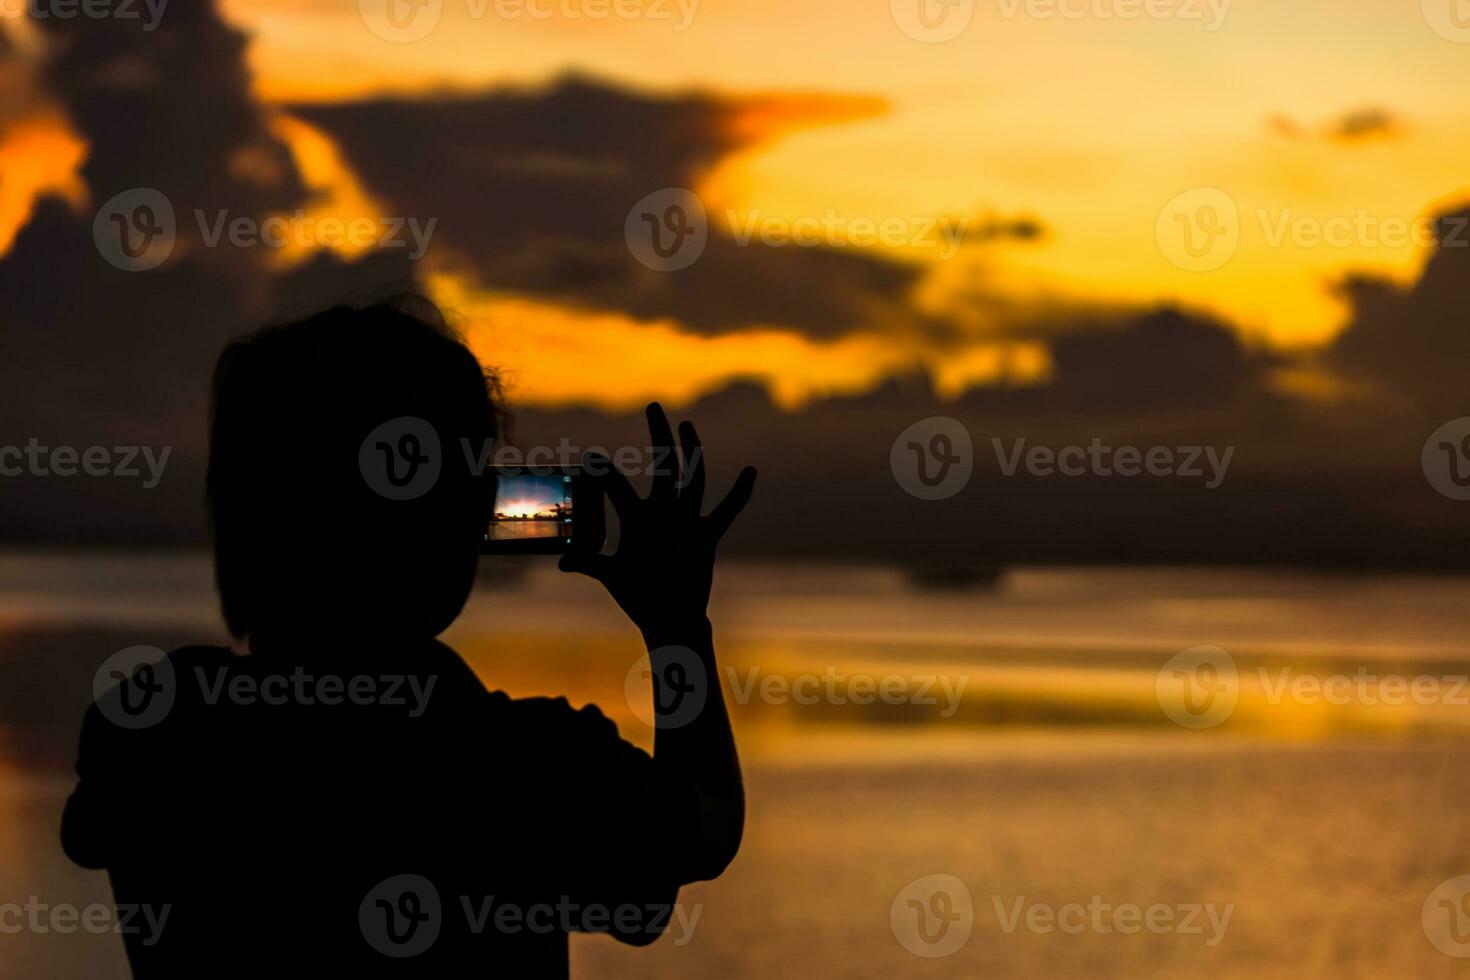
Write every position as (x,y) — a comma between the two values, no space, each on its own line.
(289,836)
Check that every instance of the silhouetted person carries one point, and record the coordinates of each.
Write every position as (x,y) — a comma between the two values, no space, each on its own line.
(432,828)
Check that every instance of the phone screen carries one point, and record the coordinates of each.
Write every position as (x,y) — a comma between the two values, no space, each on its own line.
(545,510)
(532,508)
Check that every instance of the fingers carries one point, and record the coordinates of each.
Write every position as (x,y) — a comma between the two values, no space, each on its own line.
(724,515)
(614,483)
(593,566)
(665,466)
(691,497)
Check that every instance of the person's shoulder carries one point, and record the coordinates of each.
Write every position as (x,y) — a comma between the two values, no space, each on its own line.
(173,673)
(146,696)
(180,660)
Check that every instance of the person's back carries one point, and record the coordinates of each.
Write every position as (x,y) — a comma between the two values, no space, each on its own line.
(349,795)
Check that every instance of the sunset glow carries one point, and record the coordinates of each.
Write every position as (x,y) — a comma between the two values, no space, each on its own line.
(994,475)
(524,509)
(844,115)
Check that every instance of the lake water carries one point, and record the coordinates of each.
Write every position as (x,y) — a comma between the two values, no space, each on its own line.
(1018,741)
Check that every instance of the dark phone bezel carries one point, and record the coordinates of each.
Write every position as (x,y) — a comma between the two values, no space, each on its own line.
(589,528)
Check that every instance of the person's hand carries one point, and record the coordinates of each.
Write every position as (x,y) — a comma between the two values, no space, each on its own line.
(664,566)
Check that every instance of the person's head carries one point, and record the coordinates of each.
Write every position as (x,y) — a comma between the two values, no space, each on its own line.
(341,496)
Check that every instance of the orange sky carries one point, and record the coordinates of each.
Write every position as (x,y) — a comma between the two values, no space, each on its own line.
(1092,124)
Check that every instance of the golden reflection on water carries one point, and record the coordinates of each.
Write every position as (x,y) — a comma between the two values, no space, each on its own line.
(1057,775)
(779,689)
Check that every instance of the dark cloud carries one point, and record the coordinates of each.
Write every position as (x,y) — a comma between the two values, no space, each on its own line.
(1155,361)
(169,109)
(1355,125)
(1365,123)
(532,188)
(1023,229)
(1412,346)
(99,356)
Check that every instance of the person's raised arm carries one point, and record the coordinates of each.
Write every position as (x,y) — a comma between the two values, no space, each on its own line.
(661,576)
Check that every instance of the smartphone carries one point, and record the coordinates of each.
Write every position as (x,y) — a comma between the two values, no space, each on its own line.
(545,510)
